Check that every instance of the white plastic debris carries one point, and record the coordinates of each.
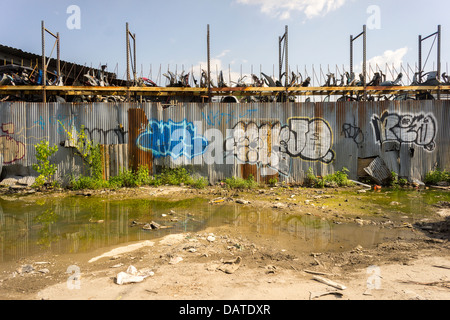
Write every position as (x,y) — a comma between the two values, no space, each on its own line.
(132,275)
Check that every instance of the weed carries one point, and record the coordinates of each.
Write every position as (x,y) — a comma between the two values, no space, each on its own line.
(90,183)
(239,183)
(43,166)
(273,182)
(199,183)
(337,179)
(436,176)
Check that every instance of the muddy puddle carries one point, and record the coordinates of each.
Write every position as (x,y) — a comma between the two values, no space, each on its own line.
(71,225)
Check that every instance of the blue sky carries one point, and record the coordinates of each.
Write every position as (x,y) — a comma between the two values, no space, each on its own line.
(244,33)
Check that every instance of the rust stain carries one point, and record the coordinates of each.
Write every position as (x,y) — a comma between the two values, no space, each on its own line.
(137,121)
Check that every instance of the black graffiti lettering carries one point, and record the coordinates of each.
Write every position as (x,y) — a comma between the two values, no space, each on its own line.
(419,129)
(271,145)
(353,132)
(100,136)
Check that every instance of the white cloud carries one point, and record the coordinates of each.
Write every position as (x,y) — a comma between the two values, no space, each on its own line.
(282,9)
(223,53)
(390,57)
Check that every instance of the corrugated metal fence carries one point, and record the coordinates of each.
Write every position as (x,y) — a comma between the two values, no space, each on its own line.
(220,140)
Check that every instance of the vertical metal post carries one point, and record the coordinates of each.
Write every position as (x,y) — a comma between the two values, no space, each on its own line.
(44,67)
(351,55)
(128,63)
(420,56)
(209,62)
(134,58)
(365,61)
(439,52)
(439,59)
(58,56)
(279,58)
(286,56)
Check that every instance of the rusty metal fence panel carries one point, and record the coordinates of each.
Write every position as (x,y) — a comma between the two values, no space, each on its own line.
(218,140)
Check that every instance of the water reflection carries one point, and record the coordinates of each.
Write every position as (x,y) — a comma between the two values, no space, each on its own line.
(75,224)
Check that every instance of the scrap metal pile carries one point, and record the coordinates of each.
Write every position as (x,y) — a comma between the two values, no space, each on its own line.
(14,75)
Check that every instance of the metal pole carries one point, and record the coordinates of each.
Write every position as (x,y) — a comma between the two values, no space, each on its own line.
(128,63)
(286,53)
(134,57)
(365,61)
(420,56)
(44,71)
(439,59)
(439,52)
(58,56)
(209,62)
(279,58)
(351,55)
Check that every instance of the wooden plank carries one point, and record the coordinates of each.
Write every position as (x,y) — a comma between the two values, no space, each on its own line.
(121,91)
(115,151)
(330,283)
(120,158)
(112,161)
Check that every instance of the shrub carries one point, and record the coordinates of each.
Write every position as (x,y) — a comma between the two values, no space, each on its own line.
(43,166)
(273,182)
(438,175)
(91,183)
(337,179)
(175,176)
(239,183)
(199,183)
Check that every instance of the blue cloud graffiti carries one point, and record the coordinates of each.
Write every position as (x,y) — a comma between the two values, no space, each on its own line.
(174,139)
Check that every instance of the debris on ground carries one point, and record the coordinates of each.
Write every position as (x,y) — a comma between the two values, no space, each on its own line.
(330,282)
(230,266)
(132,275)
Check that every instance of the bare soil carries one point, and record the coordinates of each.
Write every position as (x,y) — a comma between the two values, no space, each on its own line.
(224,263)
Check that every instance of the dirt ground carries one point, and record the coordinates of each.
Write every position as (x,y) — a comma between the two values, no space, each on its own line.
(222,263)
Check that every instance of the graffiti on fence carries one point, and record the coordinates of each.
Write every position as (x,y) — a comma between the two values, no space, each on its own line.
(259,145)
(100,136)
(353,132)
(174,139)
(309,139)
(271,146)
(11,149)
(61,121)
(213,118)
(419,129)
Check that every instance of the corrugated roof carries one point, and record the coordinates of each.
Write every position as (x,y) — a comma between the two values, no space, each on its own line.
(66,66)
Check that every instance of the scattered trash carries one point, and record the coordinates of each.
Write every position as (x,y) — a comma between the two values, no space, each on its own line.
(231,266)
(361,184)
(330,283)
(153,226)
(211,238)
(175,260)
(132,275)
(378,170)
(318,273)
(214,201)
(25,269)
